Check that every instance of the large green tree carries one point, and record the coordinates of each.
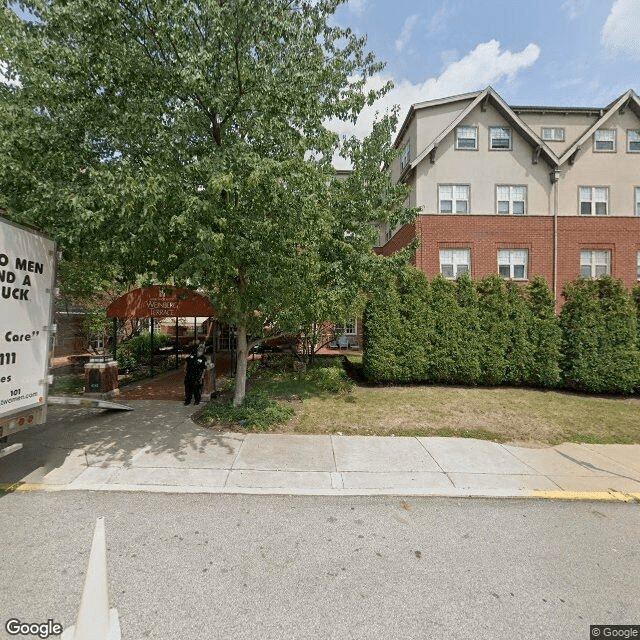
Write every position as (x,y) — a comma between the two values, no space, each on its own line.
(187,139)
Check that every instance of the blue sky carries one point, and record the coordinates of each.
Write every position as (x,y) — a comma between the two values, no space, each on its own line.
(539,52)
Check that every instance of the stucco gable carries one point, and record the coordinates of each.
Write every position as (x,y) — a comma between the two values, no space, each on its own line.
(538,147)
(626,100)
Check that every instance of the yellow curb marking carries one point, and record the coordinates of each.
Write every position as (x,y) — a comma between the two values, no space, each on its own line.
(611,496)
(27,486)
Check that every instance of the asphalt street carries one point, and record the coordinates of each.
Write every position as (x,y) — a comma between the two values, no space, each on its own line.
(278,567)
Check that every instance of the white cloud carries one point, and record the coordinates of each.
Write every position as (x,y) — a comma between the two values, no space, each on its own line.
(407,29)
(448,56)
(574,8)
(483,66)
(357,6)
(620,31)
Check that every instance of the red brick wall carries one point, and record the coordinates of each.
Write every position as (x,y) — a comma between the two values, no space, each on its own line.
(400,240)
(484,235)
(619,235)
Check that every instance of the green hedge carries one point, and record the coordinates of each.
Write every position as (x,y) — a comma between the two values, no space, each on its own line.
(493,331)
(465,332)
(599,337)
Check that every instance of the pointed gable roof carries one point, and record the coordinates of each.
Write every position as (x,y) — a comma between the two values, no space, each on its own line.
(430,103)
(501,106)
(630,97)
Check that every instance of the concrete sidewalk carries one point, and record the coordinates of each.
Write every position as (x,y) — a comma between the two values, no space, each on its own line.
(157,447)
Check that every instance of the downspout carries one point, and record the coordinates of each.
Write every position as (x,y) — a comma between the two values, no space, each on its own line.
(555,176)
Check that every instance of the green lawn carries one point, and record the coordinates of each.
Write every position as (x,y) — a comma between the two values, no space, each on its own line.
(324,403)
(500,414)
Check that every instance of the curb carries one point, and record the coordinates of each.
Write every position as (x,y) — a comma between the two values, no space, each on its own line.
(572,496)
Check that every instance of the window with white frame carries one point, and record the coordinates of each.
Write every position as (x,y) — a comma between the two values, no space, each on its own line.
(555,134)
(604,140)
(638,265)
(594,200)
(467,138)
(348,328)
(637,200)
(633,140)
(513,263)
(406,155)
(594,264)
(511,199)
(499,138)
(454,262)
(453,198)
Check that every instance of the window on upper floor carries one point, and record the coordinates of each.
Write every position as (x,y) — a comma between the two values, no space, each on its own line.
(500,138)
(604,140)
(467,138)
(637,201)
(553,133)
(511,199)
(513,263)
(453,198)
(633,140)
(405,156)
(594,200)
(594,264)
(454,262)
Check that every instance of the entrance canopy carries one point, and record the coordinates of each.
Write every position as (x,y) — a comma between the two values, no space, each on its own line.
(160,301)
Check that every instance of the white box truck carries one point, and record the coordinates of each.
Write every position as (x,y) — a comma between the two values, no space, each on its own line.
(28,262)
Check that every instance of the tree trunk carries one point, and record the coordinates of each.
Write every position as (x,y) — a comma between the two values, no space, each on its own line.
(241,366)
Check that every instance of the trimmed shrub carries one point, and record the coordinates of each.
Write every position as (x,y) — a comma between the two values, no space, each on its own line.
(519,350)
(449,336)
(414,343)
(380,335)
(496,332)
(469,322)
(493,315)
(545,336)
(599,337)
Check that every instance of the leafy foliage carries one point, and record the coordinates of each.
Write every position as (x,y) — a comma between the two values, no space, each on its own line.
(599,337)
(132,352)
(189,141)
(545,337)
(258,411)
(465,332)
(329,377)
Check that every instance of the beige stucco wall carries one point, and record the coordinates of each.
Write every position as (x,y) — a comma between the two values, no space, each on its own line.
(431,122)
(620,171)
(574,124)
(426,125)
(483,169)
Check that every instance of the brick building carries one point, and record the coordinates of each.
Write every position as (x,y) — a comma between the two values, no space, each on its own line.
(521,190)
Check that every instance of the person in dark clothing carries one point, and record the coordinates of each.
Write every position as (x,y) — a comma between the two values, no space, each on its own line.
(193,377)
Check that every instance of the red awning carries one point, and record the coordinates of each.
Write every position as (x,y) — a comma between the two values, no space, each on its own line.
(160,301)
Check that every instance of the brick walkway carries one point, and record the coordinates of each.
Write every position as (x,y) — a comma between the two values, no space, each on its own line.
(168,386)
